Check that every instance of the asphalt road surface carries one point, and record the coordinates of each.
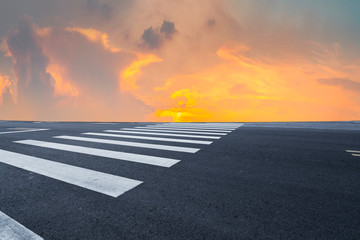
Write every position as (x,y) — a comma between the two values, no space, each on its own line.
(179,181)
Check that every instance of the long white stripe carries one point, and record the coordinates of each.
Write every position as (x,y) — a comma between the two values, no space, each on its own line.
(198,125)
(185,129)
(163,134)
(22,131)
(191,127)
(169,131)
(133,144)
(353,151)
(356,155)
(12,230)
(150,138)
(207,124)
(97,181)
(194,125)
(131,157)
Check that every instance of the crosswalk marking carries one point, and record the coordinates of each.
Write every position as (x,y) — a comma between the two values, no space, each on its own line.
(12,230)
(23,131)
(355,153)
(185,129)
(150,138)
(131,157)
(133,144)
(200,125)
(106,183)
(172,131)
(162,134)
(204,124)
(97,181)
(194,127)
(352,151)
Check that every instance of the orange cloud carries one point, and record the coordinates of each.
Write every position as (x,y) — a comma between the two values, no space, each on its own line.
(5,85)
(270,89)
(129,76)
(61,86)
(95,36)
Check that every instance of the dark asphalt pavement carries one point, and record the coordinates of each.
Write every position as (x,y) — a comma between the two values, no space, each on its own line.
(261,181)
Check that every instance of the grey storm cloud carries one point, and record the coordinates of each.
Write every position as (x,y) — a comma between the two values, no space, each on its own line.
(104,9)
(168,28)
(344,83)
(154,38)
(211,22)
(29,62)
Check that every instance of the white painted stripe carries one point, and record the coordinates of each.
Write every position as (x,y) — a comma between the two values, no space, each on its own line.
(185,129)
(201,124)
(132,144)
(353,151)
(131,157)
(171,131)
(12,230)
(207,124)
(150,138)
(23,131)
(163,134)
(96,181)
(356,155)
(190,127)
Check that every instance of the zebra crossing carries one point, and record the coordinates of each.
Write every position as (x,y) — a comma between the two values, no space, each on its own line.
(355,153)
(12,230)
(111,185)
(161,136)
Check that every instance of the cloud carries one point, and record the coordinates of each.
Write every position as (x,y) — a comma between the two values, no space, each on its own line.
(151,38)
(29,63)
(344,83)
(168,28)
(6,86)
(154,38)
(211,22)
(104,9)
(74,73)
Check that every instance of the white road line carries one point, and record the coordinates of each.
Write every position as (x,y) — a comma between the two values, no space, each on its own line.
(352,151)
(199,124)
(133,144)
(194,126)
(97,181)
(23,131)
(131,157)
(150,138)
(162,134)
(356,155)
(12,230)
(185,129)
(189,127)
(169,131)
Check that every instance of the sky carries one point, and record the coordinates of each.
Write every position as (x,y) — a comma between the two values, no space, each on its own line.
(180,60)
